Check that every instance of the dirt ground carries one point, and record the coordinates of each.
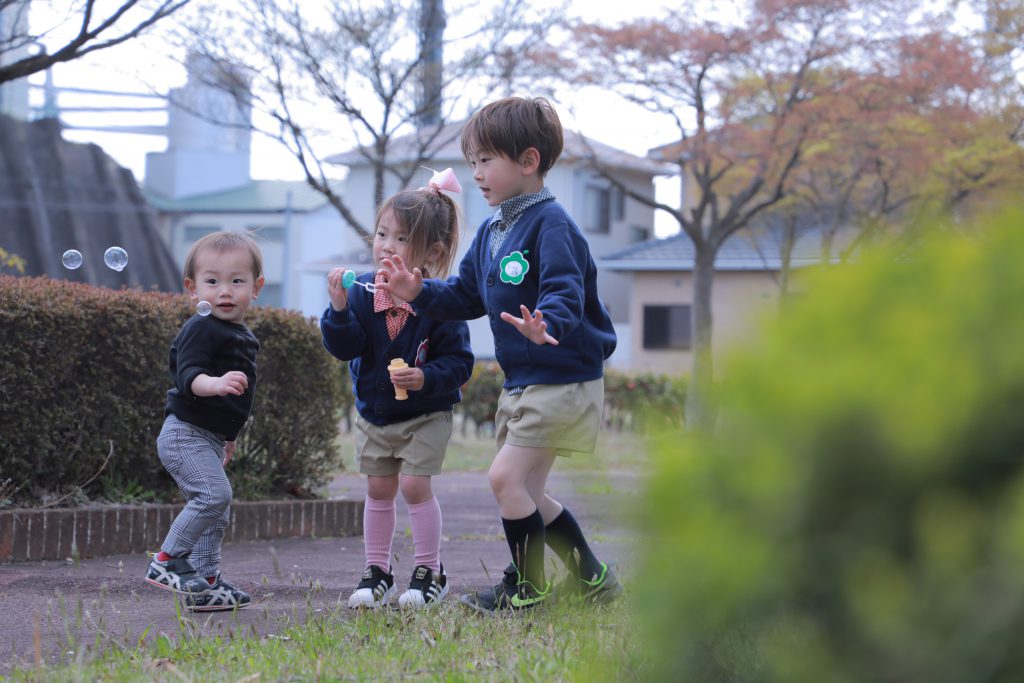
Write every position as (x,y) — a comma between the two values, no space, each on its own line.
(59,607)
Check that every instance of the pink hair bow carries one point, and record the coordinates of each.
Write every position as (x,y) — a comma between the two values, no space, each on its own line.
(443,180)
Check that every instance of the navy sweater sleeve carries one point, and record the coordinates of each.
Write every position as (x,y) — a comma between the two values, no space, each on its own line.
(343,335)
(458,297)
(561,296)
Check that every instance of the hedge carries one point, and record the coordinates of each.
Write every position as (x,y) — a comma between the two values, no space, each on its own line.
(83,374)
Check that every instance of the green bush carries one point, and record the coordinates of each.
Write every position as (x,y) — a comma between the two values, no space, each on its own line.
(859,516)
(643,401)
(637,402)
(83,371)
(480,395)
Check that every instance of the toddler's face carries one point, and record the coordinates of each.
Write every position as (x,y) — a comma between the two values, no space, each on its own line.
(226,280)
(390,239)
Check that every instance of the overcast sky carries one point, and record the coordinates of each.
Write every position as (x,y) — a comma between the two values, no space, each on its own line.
(142,67)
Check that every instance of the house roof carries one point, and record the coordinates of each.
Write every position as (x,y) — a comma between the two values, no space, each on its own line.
(447,148)
(744,250)
(258,196)
(57,195)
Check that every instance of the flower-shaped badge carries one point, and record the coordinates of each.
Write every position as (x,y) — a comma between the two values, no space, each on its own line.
(514,268)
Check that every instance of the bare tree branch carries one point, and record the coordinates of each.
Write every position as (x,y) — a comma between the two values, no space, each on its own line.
(90,37)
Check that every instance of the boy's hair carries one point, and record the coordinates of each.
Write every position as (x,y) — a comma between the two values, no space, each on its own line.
(429,217)
(511,126)
(224,241)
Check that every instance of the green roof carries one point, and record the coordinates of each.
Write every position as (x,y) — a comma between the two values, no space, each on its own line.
(259,196)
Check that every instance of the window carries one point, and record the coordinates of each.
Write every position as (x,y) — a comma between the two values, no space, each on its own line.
(638,234)
(619,204)
(667,327)
(597,210)
(194,232)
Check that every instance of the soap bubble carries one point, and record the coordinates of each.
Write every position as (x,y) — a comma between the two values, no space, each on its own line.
(204,308)
(348,278)
(72,258)
(116,258)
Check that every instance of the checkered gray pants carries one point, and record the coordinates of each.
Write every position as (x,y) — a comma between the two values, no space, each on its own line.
(194,457)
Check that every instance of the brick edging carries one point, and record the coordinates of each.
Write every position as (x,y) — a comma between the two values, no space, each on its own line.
(28,534)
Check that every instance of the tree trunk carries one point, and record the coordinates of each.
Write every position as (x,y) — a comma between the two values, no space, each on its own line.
(700,411)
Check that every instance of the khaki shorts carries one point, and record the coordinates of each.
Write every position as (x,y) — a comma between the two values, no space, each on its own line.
(415,446)
(564,417)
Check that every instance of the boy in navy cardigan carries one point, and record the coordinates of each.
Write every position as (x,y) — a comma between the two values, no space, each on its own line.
(405,416)
(529,270)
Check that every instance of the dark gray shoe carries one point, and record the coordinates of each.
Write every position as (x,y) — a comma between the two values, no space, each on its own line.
(222,597)
(511,595)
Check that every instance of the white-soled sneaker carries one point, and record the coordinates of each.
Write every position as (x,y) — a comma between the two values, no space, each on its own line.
(222,597)
(425,588)
(374,590)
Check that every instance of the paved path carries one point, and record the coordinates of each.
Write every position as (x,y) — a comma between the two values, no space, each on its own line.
(68,606)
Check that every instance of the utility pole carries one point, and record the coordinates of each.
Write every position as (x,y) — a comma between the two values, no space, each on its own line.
(432,24)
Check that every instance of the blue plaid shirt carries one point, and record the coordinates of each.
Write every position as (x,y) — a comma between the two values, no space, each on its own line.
(509,212)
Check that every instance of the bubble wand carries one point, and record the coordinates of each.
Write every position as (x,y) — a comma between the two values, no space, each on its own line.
(349,279)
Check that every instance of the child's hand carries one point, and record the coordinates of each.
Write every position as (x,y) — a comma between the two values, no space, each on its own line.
(410,379)
(335,290)
(234,382)
(400,282)
(229,450)
(531,326)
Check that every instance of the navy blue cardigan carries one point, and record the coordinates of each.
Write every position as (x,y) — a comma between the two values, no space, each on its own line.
(560,279)
(440,348)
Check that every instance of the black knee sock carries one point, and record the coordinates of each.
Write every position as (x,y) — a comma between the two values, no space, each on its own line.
(526,543)
(565,537)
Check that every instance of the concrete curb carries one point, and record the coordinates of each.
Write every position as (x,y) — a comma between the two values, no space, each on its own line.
(29,534)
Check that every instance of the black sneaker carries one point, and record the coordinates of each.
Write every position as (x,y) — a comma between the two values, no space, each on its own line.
(222,597)
(425,588)
(511,594)
(176,574)
(602,588)
(374,590)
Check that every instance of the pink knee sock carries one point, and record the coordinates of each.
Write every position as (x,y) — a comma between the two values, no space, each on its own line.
(426,533)
(378,530)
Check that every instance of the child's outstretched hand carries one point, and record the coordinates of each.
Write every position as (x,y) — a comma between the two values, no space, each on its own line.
(400,282)
(531,326)
(335,290)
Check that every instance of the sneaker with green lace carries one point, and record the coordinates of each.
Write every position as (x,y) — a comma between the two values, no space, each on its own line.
(511,595)
(601,589)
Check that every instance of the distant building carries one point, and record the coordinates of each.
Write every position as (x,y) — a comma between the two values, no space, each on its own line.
(746,289)
(201,184)
(609,220)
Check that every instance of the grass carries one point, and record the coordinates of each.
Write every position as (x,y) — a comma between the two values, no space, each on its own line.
(558,642)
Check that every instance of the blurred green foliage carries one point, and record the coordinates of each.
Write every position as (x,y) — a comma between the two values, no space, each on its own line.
(859,514)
